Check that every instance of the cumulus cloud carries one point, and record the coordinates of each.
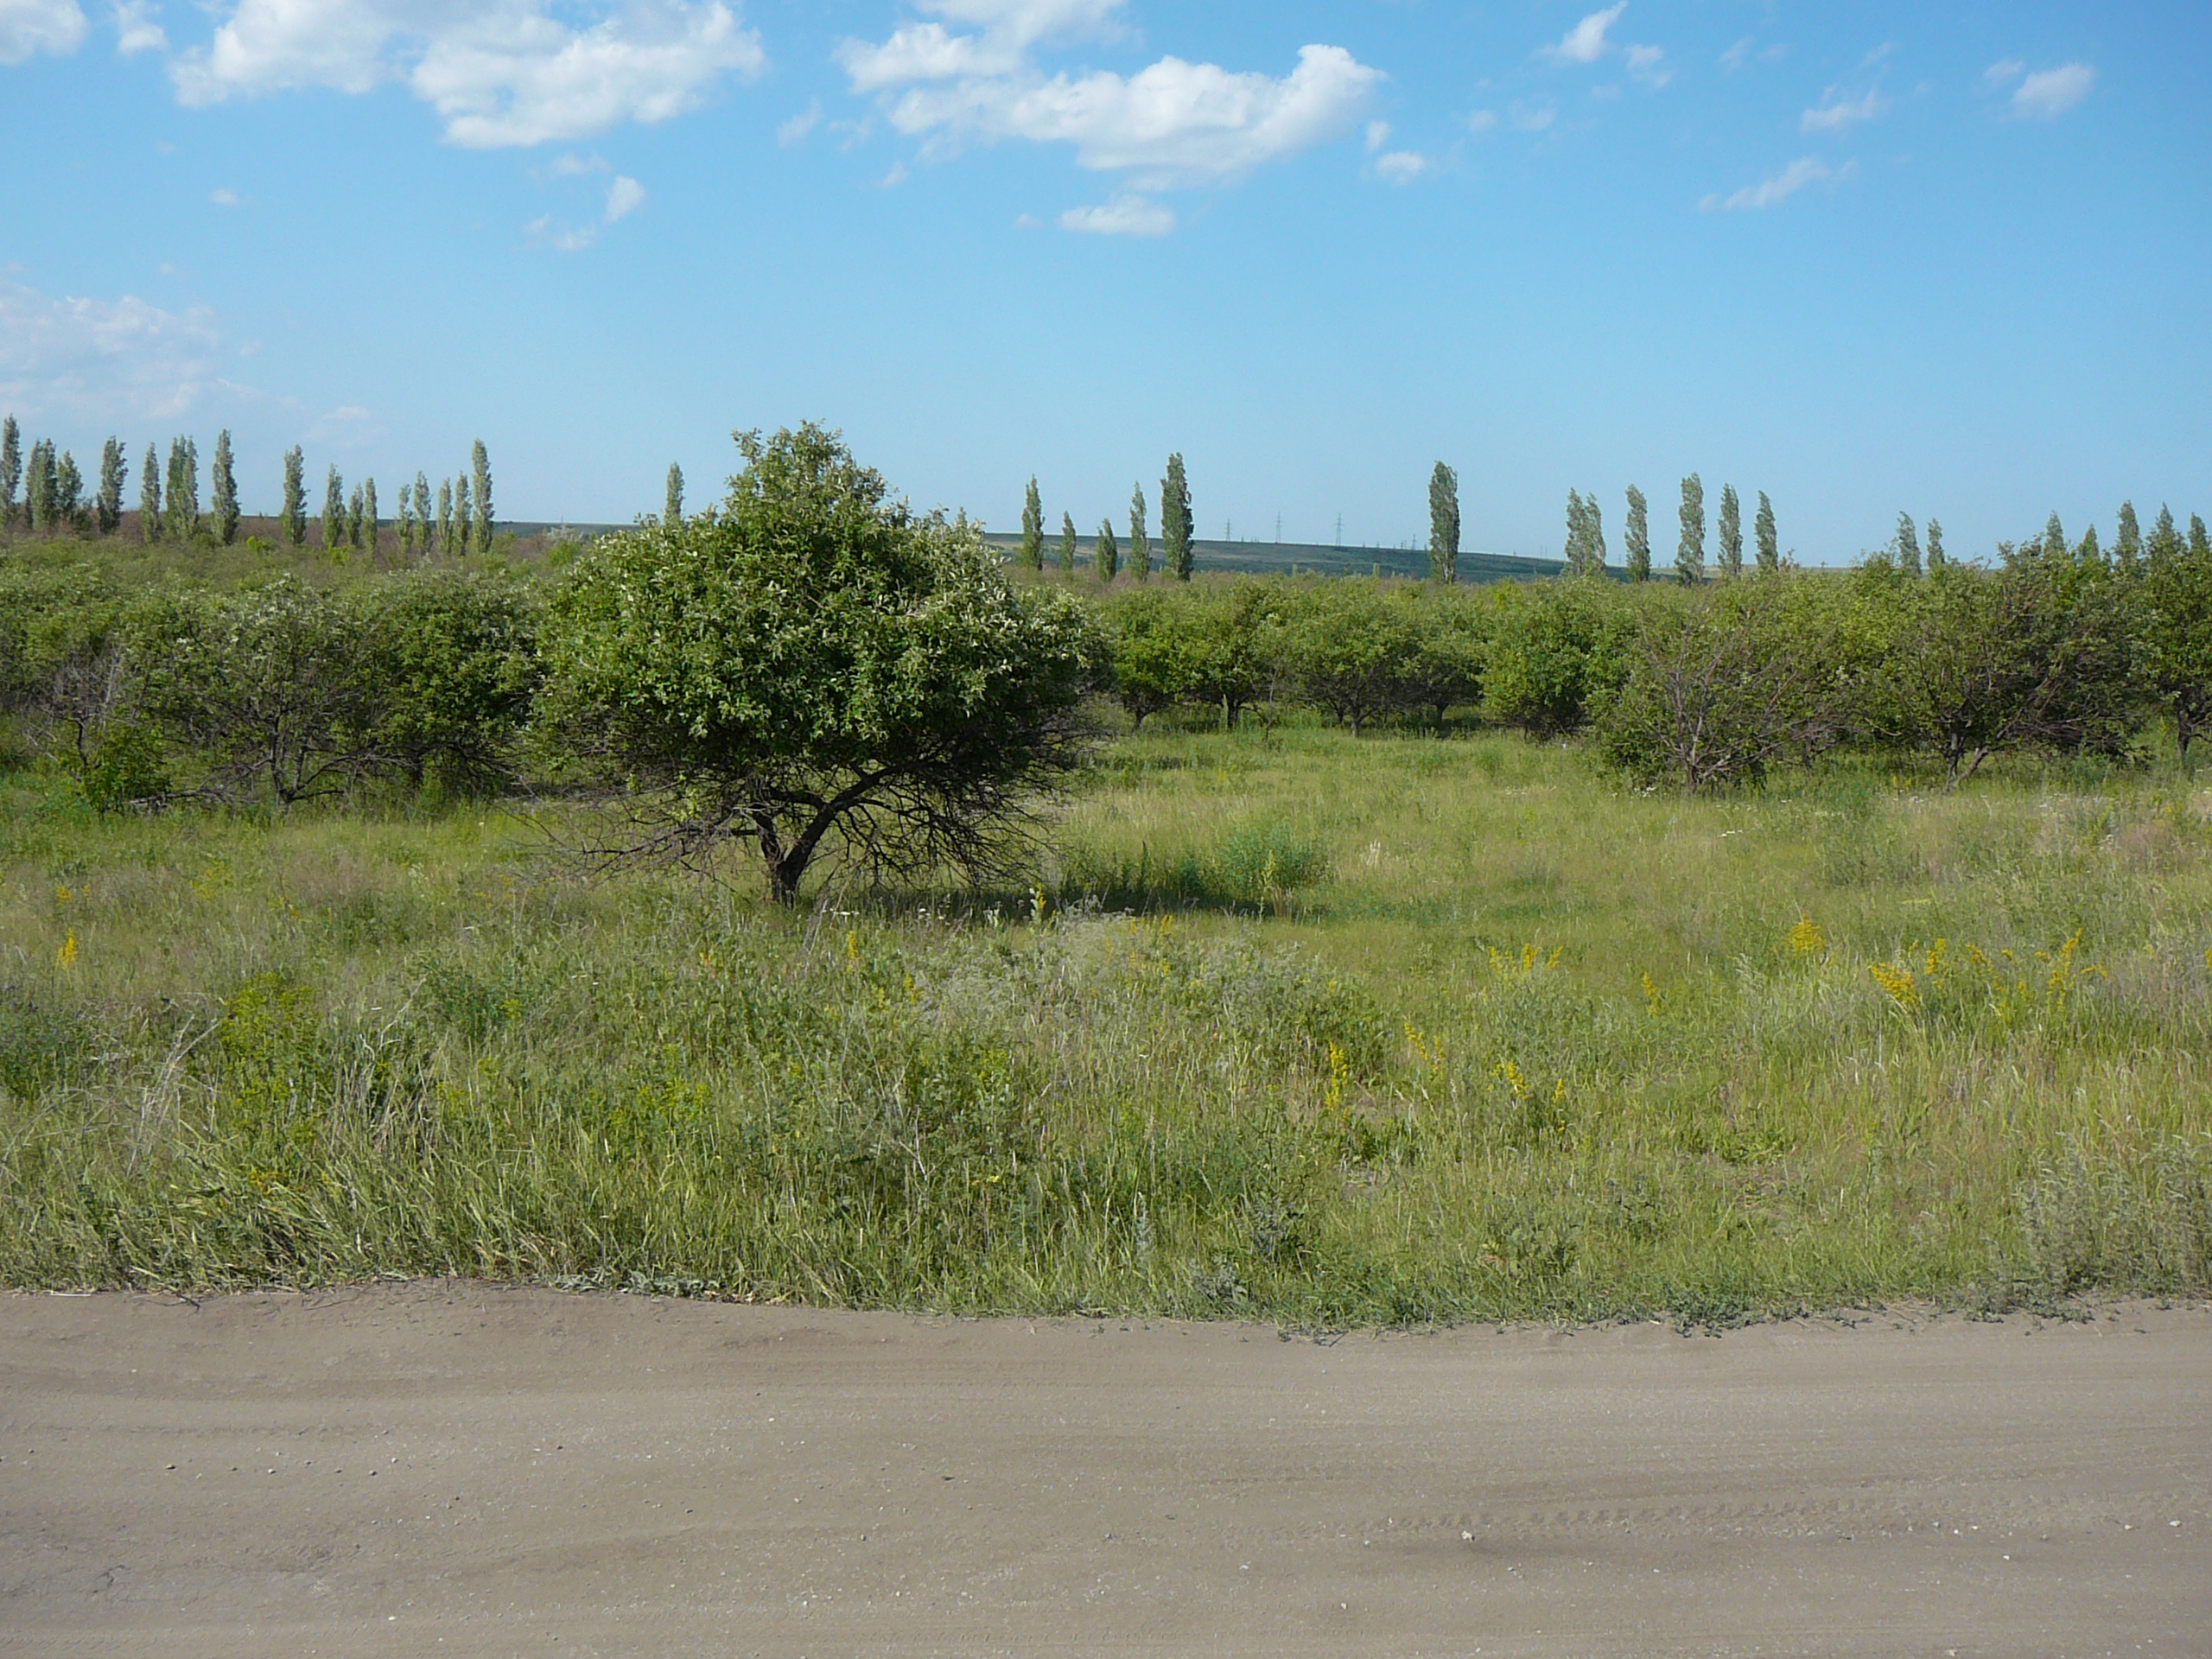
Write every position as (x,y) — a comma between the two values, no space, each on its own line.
(795,129)
(624,197)
(32,26)
(1174,122)
(1400,165)
(136,31)
(1783,185)
(1649,65)
(1123,216)
(94,358)
(500,73)
(2050,92)
(1585,43)
(1837,113)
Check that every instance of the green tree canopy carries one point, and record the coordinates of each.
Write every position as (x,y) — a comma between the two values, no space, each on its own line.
(1443,525)
(816,668)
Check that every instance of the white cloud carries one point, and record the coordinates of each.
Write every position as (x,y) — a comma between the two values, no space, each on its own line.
(1378,134)
(136,31)
(1785,185)
(1839,114)
(795,131)
(102,358)
(1737,55)
(1649,65)
(2003,70)
(33,26)
(1585,43)
(569,238)
(1123,216)
(2050,92)
(575,167)
(1400,165)
(1175,122)
(1482,120)
(499,72)
(624,197)
(224,197)
(1533,117)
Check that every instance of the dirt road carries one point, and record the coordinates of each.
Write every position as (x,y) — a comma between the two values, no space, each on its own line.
(455,1470)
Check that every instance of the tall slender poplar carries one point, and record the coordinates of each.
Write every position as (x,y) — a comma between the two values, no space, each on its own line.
(354,517)
(2127,539)
(333,509)
(223,493)
(1105,554)
(672,512)
(1571,553)
(68,491)
(444,544)
(1635,536)
(1768,543)
(464,519)
(480,467)
(295,498)
(1140,535)
(107,505)
(369,514)
(1032,528)
(1443,525)
(1067,541)
(1906,546)
(184,490)
(2054,538)
(1593,536)
(12,468)
(1175,530)
(1689,552)
(149,499)
(2163,545)
(38,482)
(424,523)
(1732,533)
(1936,558)
(2200,546)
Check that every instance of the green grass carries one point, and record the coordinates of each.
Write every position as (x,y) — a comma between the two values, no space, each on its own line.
(1331,1032)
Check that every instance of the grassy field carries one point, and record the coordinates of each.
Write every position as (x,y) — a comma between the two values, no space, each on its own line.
(1293,1026)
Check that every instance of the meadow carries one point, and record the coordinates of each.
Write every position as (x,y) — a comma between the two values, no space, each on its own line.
(1411,1026)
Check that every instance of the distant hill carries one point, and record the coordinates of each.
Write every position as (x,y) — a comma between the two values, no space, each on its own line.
(1280,558)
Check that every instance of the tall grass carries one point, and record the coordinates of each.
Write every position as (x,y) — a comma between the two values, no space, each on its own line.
(1295,1026)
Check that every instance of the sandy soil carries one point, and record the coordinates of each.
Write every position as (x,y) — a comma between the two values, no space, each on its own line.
(452,1469)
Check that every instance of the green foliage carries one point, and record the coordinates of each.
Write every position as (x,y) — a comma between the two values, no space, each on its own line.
(1731,530)
(816,661)
(464,517)
(2175,639)
(183,490)
(1905,547)
(1552,650)
(480,468)
(370,520)
(1769,545)
(1068,543)
(672,510)
(1175,527)
(12,468)
(1152,643)
(1345,645)
(1105,556)
(150,499)
(1443,525)
(107,504)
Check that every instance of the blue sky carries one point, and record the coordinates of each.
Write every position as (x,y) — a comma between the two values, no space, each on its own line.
(1954,260)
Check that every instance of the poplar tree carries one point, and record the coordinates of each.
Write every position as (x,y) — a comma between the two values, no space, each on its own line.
(480,465)
(1907,545)
(1443,525)
(296,497)
(2054,538)
(423,522)
(464,524)
(354,517)
(1106,554)
(224,490)
(1067,541)
(1689,552)
(402,522)
(1769,545)
(1936,560)
(1732,533)
(38,486)
(2127,539)
(107,505)
(672,513)
(2200,546)
(2165,542)
(369,512)
(1175,519)
(1593,536)
(12,468)
(1572,554)
(443,546)
(2090,554)
(1139,536)
(1635,536)
(68,491)
(150,499)
(333,509)
(1032,528)
(184,490)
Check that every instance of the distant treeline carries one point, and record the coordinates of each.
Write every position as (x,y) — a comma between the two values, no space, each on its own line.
(56,498)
